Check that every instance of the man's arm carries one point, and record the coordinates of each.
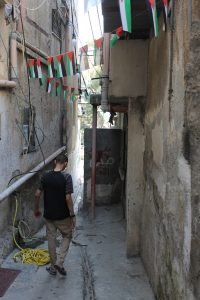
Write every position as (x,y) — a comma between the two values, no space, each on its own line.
(37,212)
(71,209)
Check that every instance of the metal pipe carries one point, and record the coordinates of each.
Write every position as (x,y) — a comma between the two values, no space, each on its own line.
(13,56)
(33,48)
(105,75)
(94,146)
(7,192)
(7,84)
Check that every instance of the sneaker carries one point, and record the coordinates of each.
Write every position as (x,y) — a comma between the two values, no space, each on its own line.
(61,270)
(51,271)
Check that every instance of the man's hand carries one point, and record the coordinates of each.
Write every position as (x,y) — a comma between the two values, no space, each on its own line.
(37,213)
(73,219)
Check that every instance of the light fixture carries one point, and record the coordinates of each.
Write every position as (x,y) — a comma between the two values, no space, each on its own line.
(74,40)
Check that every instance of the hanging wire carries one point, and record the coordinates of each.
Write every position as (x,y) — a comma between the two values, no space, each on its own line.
(99,21)
(91,25)
(33,9)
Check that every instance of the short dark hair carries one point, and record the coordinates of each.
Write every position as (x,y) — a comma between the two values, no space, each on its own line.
(62,158)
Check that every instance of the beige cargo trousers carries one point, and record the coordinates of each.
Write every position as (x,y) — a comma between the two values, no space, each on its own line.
(65,228)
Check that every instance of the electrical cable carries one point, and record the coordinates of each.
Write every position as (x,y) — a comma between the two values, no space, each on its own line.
(91,25)
(39,257)
(99,20)
(33,9)
(29,90)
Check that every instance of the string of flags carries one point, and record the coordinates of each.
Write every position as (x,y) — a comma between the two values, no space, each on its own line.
(58,67)
(63,65)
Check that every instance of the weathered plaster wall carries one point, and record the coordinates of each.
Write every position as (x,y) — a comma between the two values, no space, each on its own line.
(135,177)
(193,129)
(128,59)
(166,216)
(55,119)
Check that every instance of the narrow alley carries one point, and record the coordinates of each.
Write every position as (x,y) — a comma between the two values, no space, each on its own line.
(96,264)
(100,144)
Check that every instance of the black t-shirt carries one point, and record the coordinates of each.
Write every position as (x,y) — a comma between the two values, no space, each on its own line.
(56,185)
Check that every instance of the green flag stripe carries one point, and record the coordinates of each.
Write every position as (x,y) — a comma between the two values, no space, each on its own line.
(128,14)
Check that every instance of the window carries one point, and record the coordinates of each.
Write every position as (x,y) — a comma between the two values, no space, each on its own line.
(28,130)
(56,23)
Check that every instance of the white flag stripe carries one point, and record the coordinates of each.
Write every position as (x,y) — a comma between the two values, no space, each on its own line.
(39,72)
(123,15)
(49,88)
(60,70)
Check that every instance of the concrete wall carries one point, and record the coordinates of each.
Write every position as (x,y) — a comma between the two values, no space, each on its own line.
(55,119)
(108,183)
(135,178)
(166,213)
(128,69)
(193,128)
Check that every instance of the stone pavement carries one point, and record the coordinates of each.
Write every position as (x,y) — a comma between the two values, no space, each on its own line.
(96,263)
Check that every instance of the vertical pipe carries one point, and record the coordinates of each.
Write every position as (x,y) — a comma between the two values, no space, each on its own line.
(93,179)
(13,56)
(105,75)
(23,15)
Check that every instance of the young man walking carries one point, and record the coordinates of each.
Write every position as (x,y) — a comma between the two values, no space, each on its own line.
(59,214)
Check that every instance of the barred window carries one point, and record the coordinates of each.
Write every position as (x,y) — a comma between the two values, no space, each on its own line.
(56,23)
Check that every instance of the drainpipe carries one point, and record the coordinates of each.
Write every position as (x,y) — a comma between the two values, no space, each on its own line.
(105,75)
(31,47)
(23,15)
(13,56)
(7,84)
(31,173)
(93,178)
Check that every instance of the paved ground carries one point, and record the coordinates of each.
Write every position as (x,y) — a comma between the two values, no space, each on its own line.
(99,270)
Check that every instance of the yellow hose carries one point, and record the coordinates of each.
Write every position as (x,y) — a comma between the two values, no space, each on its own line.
(38,257)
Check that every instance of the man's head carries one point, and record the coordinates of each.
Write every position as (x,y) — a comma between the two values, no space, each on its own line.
(61,160)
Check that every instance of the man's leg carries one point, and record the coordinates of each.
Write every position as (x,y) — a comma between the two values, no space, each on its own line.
(51,238)
(65,228)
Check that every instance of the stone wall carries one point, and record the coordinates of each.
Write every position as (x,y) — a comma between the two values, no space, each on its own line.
(134,176)
(193,128)
(166,214)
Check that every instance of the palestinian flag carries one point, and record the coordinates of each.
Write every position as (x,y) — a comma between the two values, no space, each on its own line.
(51,68)
(31,68)
(155,16)
(41,81)
(38,72)
(98,52)
(84,64)
(66,91)
(58,87)
(70,63)
(61,71)
(116,36)
(38,69)
(49,85)
(125,12)
(72,94)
